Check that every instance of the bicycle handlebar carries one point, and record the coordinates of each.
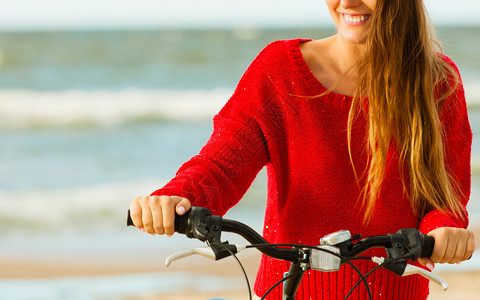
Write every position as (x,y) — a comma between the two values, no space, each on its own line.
(199,223)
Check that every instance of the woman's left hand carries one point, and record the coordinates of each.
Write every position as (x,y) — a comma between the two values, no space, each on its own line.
(452,245)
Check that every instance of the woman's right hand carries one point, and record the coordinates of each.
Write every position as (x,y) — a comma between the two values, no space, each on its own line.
(156,214)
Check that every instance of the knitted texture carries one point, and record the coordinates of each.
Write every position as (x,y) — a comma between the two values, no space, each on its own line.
(278,118)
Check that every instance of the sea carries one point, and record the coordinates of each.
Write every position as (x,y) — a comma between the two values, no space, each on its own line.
(91,119)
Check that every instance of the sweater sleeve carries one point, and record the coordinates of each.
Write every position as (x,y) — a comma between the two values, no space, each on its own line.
(226,166)
(457,144)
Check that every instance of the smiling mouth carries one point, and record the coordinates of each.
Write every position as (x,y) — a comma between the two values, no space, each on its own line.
(355,20)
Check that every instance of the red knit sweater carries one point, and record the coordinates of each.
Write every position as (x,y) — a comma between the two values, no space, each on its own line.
(312,190)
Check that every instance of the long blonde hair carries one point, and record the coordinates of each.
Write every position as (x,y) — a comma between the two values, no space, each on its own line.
(400,71)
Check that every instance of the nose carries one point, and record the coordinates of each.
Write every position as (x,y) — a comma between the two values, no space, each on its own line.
(350,3)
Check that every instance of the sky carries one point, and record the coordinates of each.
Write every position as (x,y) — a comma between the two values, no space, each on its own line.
(111,14)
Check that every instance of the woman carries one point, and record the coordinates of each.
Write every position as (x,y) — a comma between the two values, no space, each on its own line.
(366,130)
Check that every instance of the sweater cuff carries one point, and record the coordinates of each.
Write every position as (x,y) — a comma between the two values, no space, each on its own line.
(436,219)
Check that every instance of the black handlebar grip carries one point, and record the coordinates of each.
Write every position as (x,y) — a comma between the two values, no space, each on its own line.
(129,219)
(181,222)
(428,243)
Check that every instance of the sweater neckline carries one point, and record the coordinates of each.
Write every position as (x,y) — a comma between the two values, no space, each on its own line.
(306,74)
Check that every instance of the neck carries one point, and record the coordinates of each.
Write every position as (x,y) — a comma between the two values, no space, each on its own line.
(346,56)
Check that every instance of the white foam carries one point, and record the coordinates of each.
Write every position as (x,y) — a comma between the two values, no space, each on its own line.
(27,108)
(24,109)
(74,209)
(472,93)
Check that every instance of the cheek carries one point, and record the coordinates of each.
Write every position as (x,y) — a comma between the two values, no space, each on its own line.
(332,6)
(371,4)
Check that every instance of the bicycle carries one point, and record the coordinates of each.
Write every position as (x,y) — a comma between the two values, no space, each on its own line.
(334,250)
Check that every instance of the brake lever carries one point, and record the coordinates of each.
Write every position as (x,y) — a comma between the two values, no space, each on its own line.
(411,270)
(214,251)
(203,251)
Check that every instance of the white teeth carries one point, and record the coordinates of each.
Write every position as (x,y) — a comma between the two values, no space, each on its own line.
(355,19)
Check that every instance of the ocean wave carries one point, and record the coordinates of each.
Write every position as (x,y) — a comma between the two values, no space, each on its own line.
(472,94)
(27,109)
(87,208)
(70,210)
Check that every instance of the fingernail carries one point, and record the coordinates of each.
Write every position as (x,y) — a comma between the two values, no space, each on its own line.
(430,266)
(169,235)
(181,210)
(458,262)
(142,230)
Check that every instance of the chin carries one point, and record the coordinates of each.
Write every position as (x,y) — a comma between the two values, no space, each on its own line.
(353,38)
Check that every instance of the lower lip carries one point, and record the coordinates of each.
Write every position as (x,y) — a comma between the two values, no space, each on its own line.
(354,24)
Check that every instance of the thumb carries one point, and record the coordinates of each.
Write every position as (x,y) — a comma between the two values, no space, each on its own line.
(427,263)
(182,206)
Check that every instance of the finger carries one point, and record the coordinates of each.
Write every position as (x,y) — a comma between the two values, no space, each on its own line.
(441,242)
(470,248)
(422,261)
(451,250)
(136,213)
(183,206)
(147,218)
(168,206)
(427,263)
(461,249)
(157,215)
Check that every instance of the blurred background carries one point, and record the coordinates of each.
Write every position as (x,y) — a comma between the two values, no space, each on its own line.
(102,101)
